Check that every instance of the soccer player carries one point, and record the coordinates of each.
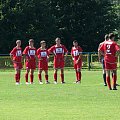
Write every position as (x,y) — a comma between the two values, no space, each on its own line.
(58,51)
(76,53)
(110,50)
(30,57)
(16,57)
(43,57)
(101,59)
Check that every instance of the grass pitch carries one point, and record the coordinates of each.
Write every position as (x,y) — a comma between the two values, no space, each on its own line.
(87,101)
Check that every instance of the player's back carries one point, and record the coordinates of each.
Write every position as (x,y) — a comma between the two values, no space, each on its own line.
(110,48)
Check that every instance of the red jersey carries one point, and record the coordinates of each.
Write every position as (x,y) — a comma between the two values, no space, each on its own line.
(42,54)
(58,51)
(75,52)
(30,53)
(109,48)
(16,54)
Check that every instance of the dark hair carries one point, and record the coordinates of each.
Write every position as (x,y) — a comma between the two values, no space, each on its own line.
(75,41)
(106,36)
(111,35)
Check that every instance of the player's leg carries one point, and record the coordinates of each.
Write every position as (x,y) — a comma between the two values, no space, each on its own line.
(108,79)
(55,76)
(104,73)
(114,79)
(17,72)
(31,76)
(26,75)
(40,76)
(104,77)
(46,77)
(79,75)
(62,75)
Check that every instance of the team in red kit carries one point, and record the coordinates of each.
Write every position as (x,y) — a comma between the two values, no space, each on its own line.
(39,58)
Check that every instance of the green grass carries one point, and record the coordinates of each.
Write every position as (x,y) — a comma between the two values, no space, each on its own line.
(87,101)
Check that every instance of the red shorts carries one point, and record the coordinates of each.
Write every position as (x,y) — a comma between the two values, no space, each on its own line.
(109,66)
(30,65)
(17,65)
(43,66)
(58,63)
(77,66)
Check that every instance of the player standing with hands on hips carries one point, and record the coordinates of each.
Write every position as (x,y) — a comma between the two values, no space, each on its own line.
(43,57)
(110,50)
(58,51)
(30,58)
(76,53)
(16,57)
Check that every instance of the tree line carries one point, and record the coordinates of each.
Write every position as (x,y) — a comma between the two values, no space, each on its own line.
(86,21)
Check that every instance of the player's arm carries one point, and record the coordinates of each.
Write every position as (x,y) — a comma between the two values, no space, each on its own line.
(117,50)
(25,54)
(100,52)
(80,55)
(12,54)
(72,54)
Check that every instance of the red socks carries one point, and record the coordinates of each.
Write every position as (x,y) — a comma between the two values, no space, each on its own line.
(40,77)
(108,81)
(17,77)
(62,77)
(114,78)
(55,76)
(78,76)
(46,77)
(31,78)
(26,77)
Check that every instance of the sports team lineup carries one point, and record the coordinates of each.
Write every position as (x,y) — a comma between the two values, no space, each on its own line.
(108,52)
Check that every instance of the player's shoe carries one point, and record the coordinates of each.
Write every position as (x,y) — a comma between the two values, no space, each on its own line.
(17,83)
(105,84)
(27,83)
(117,84)
(47,82)
(63,82)
(55,82)
(114,88)
(77,82)
(41,83)
(31,83)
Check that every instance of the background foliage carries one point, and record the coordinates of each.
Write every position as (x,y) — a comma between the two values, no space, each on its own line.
(87,21)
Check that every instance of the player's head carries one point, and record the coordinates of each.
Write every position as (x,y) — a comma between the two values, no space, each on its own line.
(31,42)
(75,43)
(58,41)
(112,36)
(43,44)
(18,42)
(106,37)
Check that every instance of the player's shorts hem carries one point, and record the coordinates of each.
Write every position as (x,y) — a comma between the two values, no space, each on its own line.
(111,69)
(58,68)
(42,69)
